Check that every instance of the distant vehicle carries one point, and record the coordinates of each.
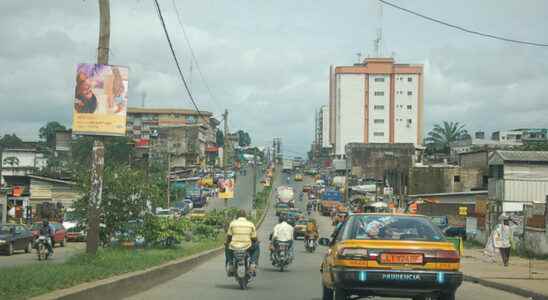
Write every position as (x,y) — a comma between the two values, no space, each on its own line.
(455,231)
(329,199)
(198,197)
(299,230)
(197,214)
(15,237)
(286,194)
(129,234)
(59,233)
(70,219)
(298,177)
(287,165)
(441,221)
(164,213)
(281,208)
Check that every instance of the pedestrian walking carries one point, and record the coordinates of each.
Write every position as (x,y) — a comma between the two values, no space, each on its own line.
(502,239)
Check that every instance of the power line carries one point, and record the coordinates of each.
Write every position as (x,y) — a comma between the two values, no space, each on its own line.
(159,11)
(192,53)
(464,29)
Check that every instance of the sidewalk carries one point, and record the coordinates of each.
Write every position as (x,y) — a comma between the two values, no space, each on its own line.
(515,278)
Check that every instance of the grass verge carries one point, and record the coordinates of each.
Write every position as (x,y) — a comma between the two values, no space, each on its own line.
(23,282)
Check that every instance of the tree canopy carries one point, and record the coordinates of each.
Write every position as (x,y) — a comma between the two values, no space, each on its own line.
(244,139)
(10,141)
(47,132)
(441,136)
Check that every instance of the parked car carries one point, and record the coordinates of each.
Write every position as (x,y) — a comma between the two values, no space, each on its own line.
(15,237)
(59,233)
(390,255)
(76,233)
(129,235)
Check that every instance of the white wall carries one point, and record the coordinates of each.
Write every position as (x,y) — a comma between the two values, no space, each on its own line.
(406,108)
(379,114)
(26,159)
(350,110)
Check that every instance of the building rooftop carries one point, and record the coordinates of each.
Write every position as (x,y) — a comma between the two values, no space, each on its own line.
(526,156)
(482,192)
(144,110)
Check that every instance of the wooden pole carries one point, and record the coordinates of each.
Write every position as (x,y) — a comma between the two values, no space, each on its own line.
(98,151)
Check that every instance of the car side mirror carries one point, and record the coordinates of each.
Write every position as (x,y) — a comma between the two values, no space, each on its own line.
(324,241)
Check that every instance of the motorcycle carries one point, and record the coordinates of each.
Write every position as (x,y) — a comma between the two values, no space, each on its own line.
(281,256)
(41,247)
(241,264)
(310,244)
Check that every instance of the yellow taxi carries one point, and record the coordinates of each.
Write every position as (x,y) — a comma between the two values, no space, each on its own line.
(390,255)
(298,177)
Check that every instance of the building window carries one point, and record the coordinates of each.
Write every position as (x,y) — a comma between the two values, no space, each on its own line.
(409,79)
(379,121)
(378,134)
(378,107)
(379,79)
(409,107)
(409,93)
(456,178)
(379,93)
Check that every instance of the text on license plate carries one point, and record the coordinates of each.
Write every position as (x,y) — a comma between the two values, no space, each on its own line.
(393,258)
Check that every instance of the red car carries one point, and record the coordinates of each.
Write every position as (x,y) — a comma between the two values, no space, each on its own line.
(59,233)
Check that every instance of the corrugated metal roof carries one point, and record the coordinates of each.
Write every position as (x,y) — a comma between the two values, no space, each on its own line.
(533,156)
(481,192)
(141,110)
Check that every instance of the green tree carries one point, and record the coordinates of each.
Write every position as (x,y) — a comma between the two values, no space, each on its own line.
(118,150)
(244,139)
(441,136)
(47,132)
(10,141)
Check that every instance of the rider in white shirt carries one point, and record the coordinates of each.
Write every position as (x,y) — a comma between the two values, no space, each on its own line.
(283,232)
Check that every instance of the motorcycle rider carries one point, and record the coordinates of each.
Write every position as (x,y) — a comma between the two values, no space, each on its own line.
(283,232)
(241,235)
(309,207)
(311,230)
(47,230)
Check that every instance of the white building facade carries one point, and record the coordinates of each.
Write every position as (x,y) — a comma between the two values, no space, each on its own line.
(376,102)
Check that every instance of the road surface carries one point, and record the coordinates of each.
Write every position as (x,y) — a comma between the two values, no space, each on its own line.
(301,281)
(242,193)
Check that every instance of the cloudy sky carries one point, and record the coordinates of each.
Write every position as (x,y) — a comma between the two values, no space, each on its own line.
(268,61)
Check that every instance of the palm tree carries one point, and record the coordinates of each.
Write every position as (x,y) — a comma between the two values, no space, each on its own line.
(441,136)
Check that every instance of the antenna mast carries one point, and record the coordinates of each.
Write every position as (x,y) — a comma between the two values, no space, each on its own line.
(378,40)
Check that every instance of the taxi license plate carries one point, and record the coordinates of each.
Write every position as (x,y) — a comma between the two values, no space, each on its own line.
(393,258)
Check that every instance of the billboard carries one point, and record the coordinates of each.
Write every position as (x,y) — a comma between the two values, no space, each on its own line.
(226,188)
(100,100)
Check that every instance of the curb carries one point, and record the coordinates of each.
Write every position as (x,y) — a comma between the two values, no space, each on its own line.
(506,287)
(121,286)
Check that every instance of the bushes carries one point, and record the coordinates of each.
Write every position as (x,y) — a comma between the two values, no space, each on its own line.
(165,232)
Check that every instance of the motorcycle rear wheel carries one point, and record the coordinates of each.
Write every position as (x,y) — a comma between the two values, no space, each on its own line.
(243,283)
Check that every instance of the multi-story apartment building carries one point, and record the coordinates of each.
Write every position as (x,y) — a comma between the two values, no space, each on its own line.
(377,101)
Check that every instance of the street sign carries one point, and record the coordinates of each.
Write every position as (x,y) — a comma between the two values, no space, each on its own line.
(463,211)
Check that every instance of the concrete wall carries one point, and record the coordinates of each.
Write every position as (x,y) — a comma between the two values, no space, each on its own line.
(350,110)
(424,180)
(376,160)
(379,83)
(478,160)
(406,108)
(536,241)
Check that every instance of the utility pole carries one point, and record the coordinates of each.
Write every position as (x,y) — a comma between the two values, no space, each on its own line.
(225,142)
(98,151)
(168,179)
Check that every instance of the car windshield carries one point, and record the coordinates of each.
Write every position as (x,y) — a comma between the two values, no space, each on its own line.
(390,227)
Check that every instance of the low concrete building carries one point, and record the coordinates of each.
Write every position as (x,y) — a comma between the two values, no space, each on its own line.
(445,179)
(456,206)
(517,178)
(21,162)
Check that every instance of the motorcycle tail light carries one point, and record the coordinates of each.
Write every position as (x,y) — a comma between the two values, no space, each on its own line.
(352,253)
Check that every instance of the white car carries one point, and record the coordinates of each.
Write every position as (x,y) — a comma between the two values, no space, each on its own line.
(190,203)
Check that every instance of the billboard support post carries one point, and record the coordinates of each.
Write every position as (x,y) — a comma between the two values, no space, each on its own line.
(98,154)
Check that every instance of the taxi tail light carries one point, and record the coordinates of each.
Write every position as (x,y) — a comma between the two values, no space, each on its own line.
(447,256)
(353,253)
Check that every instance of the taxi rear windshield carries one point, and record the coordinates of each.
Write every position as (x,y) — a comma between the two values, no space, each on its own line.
(389,227)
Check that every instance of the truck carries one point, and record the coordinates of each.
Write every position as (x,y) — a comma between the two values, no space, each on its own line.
(287,165)
(329,199)
(339,165)
(285,194)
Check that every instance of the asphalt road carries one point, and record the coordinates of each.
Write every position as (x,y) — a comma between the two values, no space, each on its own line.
(300,281)
(242,192)
(60,254)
